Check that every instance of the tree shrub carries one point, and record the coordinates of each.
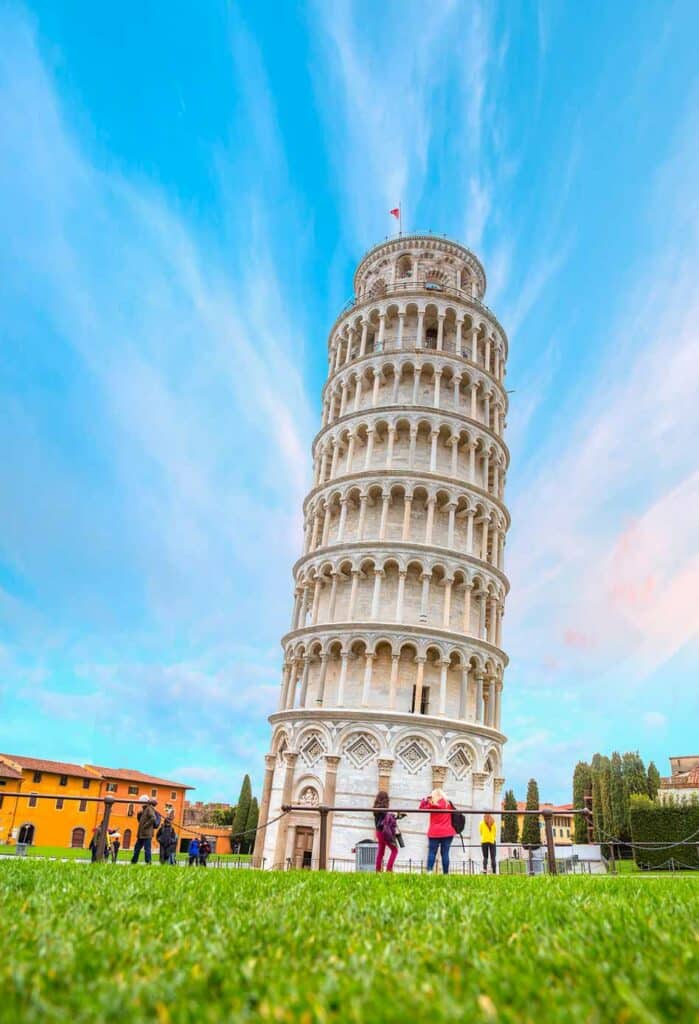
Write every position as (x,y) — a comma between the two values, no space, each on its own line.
(666,823)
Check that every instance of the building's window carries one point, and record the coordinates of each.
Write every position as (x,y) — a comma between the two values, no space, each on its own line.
(37,776)
(173,795)
(168,809)
(133,790)
(424,701)
(129,811)
(111,787)
(63,781)
(82,806)
(154,792)
(32,800)
(59,803)
(86,783)
(431,337)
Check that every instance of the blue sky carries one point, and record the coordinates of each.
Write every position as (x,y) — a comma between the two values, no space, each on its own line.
(184,193)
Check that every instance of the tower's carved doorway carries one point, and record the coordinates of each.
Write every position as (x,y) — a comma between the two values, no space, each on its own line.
(303,847)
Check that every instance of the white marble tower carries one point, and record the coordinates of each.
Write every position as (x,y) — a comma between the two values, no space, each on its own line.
(393,665)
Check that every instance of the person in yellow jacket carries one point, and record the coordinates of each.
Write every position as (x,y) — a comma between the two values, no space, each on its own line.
(487,829)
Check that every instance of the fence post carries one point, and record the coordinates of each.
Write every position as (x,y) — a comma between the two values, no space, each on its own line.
(322,859)
(550,848)
(99,852)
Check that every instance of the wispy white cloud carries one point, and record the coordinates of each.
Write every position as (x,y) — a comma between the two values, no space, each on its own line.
(181,484)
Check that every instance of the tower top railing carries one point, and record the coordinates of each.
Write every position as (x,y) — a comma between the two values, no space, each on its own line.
(416,236)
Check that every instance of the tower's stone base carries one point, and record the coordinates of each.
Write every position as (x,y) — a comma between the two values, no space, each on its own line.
(344,758)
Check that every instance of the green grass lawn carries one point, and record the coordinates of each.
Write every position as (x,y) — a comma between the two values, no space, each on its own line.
(91,944)
(68,853)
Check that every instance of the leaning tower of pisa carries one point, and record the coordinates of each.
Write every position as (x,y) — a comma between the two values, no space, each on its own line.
(393,663)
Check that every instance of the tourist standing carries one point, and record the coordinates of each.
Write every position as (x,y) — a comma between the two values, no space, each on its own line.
(115,837)
(204,851)
(386,831)
(193,852)
(167,838)
(441,831)
(487,829)
(147,819)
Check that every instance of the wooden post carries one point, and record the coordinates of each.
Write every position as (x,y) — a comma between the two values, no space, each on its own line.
(323,853)
(101,840)
(587,799)
(550,848)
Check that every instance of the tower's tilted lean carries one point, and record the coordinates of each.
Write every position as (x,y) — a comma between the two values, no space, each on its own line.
(393,665)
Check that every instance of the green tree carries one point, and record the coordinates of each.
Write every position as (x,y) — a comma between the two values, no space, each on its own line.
(597,768)
(241,814)
(653,780)
(510,826)
(251,825)
(635,777)
(582,787)
(223,816)
(531,832)
(618,799)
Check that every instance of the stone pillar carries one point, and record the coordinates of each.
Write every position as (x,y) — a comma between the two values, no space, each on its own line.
(440,332)
(439,775)
(451,509)
(419,681)
(420,322)
(431,503)
(376,598)
(358,392)
(470,516)
(400,597)
(386,501)
(395,658)
(270,761)
(437,384)
(454,442)
(316,599)
(362,343)
(425,598)
(332,762)
(353,594)
(463,694)
(443,688)
(343,679)
(366,687)
(433,451)
(385,768)
(459,334)
(446,610)
(320,692)
(479,697)
(375,389)
(333,597)
(290,757)
(407,509)
(411,453)
(467,609)
(389,447)
(362,516)
(399,339)
(369,448)
(304,680)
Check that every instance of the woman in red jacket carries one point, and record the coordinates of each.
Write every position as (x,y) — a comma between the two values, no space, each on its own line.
(441,831)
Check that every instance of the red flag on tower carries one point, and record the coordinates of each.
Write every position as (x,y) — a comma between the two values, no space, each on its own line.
(395,213)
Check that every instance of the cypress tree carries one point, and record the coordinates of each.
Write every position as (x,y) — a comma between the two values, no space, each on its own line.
(510,826)
(241,815)
(635,777)
(251,824)
(618,800)
(653,780)
(531,833)
(582,786)
(597,803)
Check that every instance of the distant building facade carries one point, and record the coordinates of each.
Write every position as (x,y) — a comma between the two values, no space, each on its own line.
(683,782)
(563,822)
(199,813)
(70,819)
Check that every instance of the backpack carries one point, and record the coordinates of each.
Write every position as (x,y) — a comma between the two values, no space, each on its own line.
(458,820)
(158,818)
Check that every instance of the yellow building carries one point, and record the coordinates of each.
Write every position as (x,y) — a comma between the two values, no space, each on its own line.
(70,817)
(563,822)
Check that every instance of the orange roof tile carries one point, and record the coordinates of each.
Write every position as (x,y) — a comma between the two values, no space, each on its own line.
(40,764)
(130,775)
(8,772)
